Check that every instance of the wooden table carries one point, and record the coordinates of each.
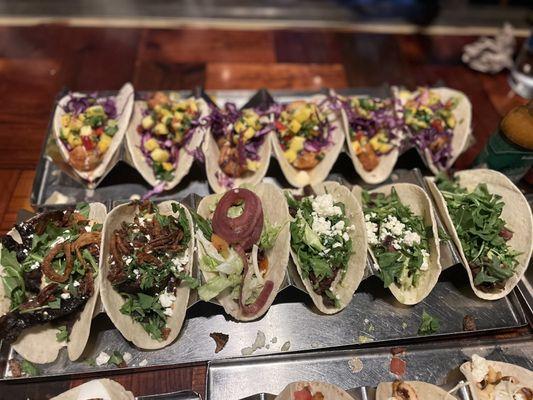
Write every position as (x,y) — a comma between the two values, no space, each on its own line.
(36,62)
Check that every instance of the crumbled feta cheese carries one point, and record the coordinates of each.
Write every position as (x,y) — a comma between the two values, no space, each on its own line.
(102,358)
(127,357)
(127,259)
(479,367)
(148,237)
(345,237)
(425,261)
(339,226)
(168,311)
(321,226)
(166,299)
(59,239)
(393,225)
(371,229)
(411,238)
(143,363)
(324,206)
(88,228)
(34,266)
(136,272)
(336,244)
(396,245)
(45,313)
(181,260)
(75,283)
(65,296)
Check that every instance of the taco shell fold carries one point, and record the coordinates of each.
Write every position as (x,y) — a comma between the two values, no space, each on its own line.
(113,301)
(105,389)
(330,391)
(424,391)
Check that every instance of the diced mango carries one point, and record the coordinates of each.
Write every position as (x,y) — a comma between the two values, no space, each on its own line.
(65,120)
(167,166)
(76,124)
(178,116)
(193,106)
(427,110)
(95,110)
(151,144)
(147,122)
(175,124)
(450,121)
(295,126)
(86,130)
(356,147)
(384,148)
(74,140)
(103,143)
(302,114)
(290,155)
(160,129)
(297,143)
(160,155)
(239,126)
(252,165)
(64,132)
(249,133)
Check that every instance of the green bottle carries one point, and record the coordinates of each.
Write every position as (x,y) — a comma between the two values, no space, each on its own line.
(510,149)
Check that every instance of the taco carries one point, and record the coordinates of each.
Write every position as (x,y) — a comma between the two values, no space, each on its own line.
(243,248)
(164,136)
(437,122)
(411,390)
(49,267)
(403,239)
(104,389)
(89,129)
(373,136)
(148,252)
(497,380)
(328,243)
(311,390)
(308,140)
(238,148)
(490,221)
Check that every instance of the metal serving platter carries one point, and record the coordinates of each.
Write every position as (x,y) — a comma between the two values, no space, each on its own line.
(358,370)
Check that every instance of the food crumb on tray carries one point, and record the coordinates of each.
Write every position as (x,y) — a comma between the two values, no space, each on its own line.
(220,339)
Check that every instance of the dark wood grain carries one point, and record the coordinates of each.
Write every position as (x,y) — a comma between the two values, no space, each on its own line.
(36,62)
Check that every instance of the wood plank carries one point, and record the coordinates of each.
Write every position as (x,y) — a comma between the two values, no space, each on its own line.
(151,75)
(274,76)
(307,46)
(9,179)
(207,45)
(19,199)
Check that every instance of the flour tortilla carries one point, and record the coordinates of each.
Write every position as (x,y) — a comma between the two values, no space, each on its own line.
(276,212)
(524,376)
(418,201)
(516,213)
(386,161)
(113,301)
(38,344)
(212,169)
(424,391)
(105,389)
(124,104)
(185,160)
(300,178)
(343,287)
(463,117)
(330,392)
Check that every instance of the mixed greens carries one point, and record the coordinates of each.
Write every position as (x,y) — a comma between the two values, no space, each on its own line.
(149,261)
(398,238)
(476,216)
(320,240)
(168,125)
(49,274)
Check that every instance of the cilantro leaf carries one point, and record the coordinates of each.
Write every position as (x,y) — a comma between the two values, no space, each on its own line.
(62,334)
(428,325)
(29,369)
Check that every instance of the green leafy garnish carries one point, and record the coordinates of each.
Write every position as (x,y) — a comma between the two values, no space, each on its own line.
(84,209)
(13,278)
(116,359)
(428,325)
(62,335)
(476,216)
(202,224)
(29,369)
(269,235)
(161,173)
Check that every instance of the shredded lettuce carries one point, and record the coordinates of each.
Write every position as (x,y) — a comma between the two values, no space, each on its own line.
(216,285)
(269,235)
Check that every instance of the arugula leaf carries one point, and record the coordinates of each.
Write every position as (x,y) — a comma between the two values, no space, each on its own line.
(116,359)
(13,278)
(428,325)
(202,224)
(55,304)
(84,209)
(62,335)
(193,283)
(29,369)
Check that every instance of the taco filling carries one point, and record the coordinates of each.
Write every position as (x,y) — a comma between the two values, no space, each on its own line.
(87,129)
(234,248)
(320,240)
(493,384)
(168,125)
(403,391)
(239,135)
(430,122)
(50,274)
(476,217)
(371,123)
(148,259)
(306,394)
(398,239)
(304,133)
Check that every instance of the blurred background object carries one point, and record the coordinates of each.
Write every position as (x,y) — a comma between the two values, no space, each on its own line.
(521,78)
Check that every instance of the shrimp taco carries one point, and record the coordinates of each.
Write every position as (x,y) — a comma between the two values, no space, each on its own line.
(164,136)
(308,140)
(312,390)
(373,135)
(49,267)
(243,248)
(89,129)
(497,380)
(328,243)
(403,239)
(238,147)
(145,280)
(437,122)
(104,389)
(411,390)
(490,221)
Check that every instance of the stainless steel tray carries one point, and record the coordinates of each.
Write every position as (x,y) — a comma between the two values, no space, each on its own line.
(436,363)
(372,316)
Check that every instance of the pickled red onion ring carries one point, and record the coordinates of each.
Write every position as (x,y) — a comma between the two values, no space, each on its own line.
(244,230)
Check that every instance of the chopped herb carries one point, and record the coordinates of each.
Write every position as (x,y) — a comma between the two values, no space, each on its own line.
(116,359)
(84,209)
(29,369)
(428,325)
(62,335)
